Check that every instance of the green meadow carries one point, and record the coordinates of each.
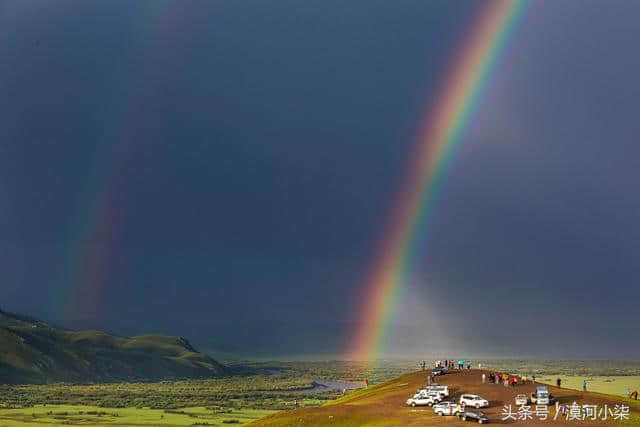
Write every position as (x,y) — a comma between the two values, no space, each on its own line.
(603,376)
(264,388)
(262,392)
(42,415)
(232,400)
(616,385)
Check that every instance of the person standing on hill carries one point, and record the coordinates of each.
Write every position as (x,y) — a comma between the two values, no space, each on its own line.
(484,377)
(533,379)
(559,383)
(584,385)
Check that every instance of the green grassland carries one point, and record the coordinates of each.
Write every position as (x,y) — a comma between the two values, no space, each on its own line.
(257,389)
(616,385)
(603,368)
(351,371)
(238,392)
(608,377)
(41,415)
(225,401)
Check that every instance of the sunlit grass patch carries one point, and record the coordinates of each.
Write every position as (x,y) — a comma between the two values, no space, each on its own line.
(42,415)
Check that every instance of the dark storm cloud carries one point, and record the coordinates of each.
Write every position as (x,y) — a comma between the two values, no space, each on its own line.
(274,140)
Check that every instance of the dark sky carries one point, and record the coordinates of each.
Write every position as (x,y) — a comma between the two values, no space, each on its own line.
(222,170)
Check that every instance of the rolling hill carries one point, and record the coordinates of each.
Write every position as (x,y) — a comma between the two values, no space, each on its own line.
(32,351)
(384,405)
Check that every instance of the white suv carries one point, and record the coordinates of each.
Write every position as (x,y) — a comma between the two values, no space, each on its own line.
(421,400)
(473,400)
(443,390)
(447,408)
(436,396)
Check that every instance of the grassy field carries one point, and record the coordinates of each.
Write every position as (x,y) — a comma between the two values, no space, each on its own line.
(233,400)
(609,377)
(262,388)
(616,385)
(40,415)
(565,367)
(384,405)
(336,369)
(241,392)
(267,387)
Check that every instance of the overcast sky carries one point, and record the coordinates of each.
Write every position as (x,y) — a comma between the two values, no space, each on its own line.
(221,170)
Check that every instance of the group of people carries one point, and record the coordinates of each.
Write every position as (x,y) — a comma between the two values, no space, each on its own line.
(506,379)
(444,364)
(449,364)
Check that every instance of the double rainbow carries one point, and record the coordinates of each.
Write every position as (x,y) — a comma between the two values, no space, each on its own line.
(97,234)
(438,139)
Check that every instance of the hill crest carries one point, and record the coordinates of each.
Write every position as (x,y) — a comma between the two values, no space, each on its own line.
(31,351)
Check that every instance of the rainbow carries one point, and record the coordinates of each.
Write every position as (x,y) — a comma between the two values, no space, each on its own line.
(97,234)
(438,140)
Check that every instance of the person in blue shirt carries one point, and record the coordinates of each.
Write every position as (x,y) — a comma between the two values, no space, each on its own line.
(584,385)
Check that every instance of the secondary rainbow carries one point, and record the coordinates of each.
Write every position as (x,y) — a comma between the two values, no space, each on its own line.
(96,235)
(439,136)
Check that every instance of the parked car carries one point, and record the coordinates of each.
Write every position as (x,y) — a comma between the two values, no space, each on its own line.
(447,408)
(435,395)
(522,399)
(473,400)
(478,416)
(440,370)
(541,396)
(422,400)
(436,388)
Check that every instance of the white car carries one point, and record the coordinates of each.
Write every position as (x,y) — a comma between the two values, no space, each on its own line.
(447,408)
(473,400)
(436,396)
(421,400)
(522,399)
(443,390)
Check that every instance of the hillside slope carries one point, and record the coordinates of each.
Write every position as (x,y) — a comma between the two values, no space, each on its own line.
(384,405)
(34,352)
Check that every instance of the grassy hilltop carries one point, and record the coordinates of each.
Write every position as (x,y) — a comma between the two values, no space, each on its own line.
(271,388)
(384,404)
(34,352)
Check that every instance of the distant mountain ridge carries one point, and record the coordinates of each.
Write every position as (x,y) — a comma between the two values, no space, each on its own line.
(32,351)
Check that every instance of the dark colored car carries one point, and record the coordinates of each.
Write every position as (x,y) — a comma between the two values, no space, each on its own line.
(440,370)
(477,416)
